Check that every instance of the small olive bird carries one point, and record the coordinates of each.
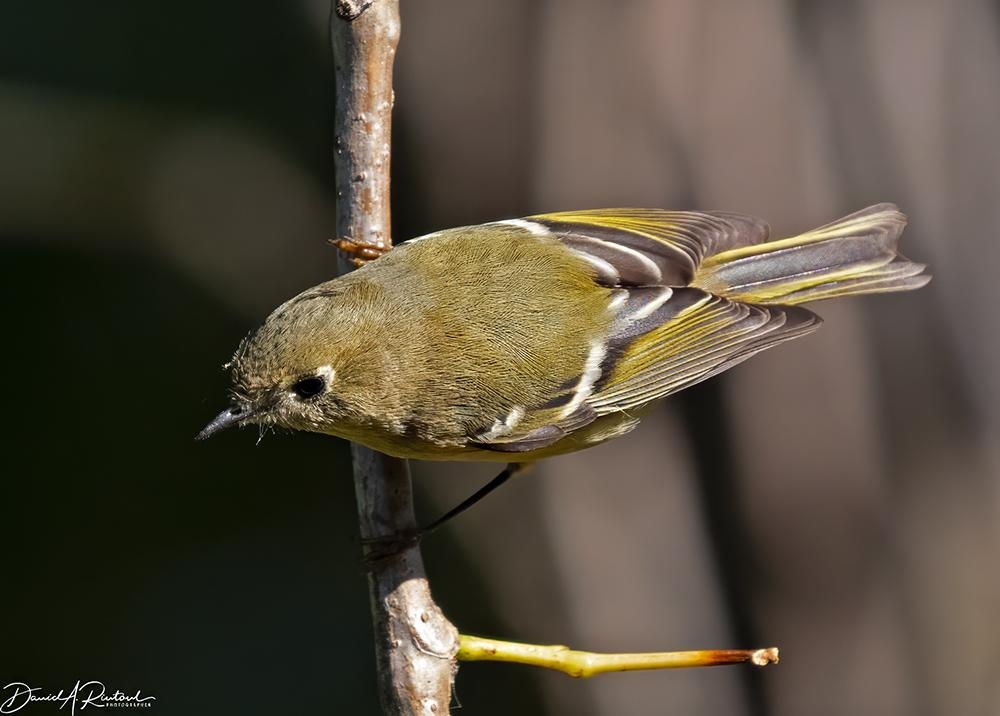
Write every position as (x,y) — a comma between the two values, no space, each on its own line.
(520,339)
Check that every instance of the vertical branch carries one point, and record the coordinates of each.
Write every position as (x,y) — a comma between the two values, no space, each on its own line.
(415,645)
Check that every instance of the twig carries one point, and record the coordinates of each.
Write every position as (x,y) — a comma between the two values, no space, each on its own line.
(584,664)
(415,644)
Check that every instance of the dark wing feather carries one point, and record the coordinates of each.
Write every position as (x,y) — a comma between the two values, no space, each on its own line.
(668,336)
(541,427)
(651,247)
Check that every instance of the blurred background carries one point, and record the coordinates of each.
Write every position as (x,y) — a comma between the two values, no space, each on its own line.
(166,179)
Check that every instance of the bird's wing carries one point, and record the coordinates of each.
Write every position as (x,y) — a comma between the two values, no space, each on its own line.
(689,337)
(649,247)
(692,336)
(666,336)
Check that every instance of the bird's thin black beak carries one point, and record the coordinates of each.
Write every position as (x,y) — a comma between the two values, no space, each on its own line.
(226,419)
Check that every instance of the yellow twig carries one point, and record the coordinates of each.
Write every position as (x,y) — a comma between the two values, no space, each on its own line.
(584,664)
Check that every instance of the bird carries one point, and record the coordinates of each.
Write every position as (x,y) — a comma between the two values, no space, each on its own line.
(520,339)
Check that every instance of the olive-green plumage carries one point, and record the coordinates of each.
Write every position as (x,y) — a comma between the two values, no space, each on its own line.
(531,337)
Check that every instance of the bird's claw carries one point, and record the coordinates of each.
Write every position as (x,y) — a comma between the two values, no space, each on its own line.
(361,252)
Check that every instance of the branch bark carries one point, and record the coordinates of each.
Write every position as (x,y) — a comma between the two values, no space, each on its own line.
(415,645)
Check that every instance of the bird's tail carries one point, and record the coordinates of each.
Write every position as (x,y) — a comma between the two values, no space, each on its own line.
(854,255)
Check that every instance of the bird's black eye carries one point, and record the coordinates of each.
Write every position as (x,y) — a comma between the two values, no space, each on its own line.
(309,387)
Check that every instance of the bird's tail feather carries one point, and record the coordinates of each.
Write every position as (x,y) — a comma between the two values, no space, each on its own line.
(855,255)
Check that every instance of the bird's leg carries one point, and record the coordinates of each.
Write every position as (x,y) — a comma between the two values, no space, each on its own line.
(361,251)
(381,548)
(508,472)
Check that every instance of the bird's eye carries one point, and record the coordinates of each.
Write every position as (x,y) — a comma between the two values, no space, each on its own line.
(309,387)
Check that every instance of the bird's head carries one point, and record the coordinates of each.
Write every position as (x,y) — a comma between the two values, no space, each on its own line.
(306,367)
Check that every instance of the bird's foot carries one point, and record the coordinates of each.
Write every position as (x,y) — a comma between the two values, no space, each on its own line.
(361,252)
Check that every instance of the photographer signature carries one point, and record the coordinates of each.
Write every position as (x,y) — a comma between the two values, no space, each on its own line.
(16,695)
